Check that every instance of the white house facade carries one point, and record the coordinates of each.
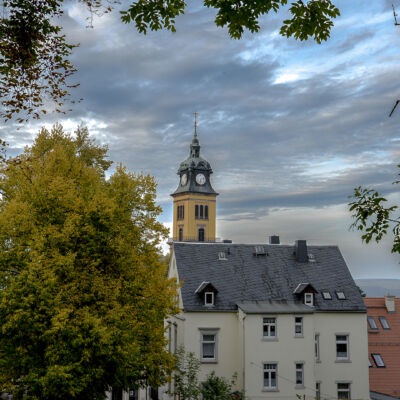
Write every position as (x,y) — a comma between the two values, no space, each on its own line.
(289,321)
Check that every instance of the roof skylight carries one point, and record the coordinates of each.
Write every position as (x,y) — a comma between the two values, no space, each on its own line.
(340,295)
(326,295)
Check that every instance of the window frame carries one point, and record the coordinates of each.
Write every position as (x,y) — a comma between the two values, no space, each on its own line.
(383,318)
(347,342)
(269,325)
(328,293)
(299,367)
(310,296)
(371,321)
(209,332)
(339,294)
(348,390)
(201,237)
(206,303)
(316,348)
(318,390)
(298,324)
(270,370)
(377,358)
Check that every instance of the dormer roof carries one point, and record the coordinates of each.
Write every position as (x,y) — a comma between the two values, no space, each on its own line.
(304,287)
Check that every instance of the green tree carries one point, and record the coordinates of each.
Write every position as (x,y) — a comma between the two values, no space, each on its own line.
(186,381)
(83,287)
(217,388)
(373,218)
(34,54)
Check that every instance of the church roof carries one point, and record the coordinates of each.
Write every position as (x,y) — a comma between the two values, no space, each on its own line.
(192,166)
(245,279)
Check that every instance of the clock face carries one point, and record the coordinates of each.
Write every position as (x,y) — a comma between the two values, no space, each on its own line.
(183,179)
(200,179)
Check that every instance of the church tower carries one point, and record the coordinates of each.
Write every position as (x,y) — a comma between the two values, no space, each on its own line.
(194,199)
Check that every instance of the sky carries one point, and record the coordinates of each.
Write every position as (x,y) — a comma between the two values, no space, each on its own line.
(290,128)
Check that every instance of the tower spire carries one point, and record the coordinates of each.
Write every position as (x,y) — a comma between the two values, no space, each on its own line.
(195,124)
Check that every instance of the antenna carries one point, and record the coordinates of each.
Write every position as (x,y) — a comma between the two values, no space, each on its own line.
(395,16)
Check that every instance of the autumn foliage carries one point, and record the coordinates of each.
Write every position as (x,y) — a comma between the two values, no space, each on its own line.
(83,285)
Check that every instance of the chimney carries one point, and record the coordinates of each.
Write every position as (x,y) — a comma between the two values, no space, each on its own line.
(301,251)
(274,239)
(389,303)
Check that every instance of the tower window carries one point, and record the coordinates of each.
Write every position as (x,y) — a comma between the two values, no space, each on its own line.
(201,211)
(181,212)
(201,235)
(180,234)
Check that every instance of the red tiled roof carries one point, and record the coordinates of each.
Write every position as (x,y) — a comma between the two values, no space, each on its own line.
(385,342)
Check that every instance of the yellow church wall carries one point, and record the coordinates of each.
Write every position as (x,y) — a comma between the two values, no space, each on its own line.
(189,223)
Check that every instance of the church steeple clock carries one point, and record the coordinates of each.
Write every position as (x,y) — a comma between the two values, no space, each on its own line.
(194,199)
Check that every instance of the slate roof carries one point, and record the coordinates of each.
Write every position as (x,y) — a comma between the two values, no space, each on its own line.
(245,277)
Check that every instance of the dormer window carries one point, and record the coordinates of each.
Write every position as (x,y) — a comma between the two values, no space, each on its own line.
(207,293)
(208,298)
(309,299)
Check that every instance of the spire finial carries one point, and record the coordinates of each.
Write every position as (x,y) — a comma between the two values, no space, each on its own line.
(195,123)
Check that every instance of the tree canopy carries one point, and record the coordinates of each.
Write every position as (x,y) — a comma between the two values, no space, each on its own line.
(83,284)
(373,218)
(34,54)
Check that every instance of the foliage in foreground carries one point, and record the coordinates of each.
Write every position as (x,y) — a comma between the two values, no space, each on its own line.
(187,386)
(84,292)
(35,57)
(372,217)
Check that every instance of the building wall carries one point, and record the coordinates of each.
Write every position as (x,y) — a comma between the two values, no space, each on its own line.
(189,223)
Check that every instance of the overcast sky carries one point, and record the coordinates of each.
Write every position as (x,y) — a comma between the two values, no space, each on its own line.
(290,128)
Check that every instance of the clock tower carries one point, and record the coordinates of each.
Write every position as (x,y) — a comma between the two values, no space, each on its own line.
(194,216)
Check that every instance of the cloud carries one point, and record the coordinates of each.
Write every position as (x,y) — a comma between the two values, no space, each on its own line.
(286,125)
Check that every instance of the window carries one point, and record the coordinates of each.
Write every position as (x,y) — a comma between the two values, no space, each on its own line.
(269,327)
(342,347)
(116,393)
(340,295)
(181,212)
(378,360)
(299,374)
(371,322)
(175,338)
(327,295)
(169,336)
(298,326)
(316,346)
(208,298)
(343,391)
(308,299)
(201,235)
(318,390)
(133,394)
(270,376)
(180,234)
(221,255)
(369,363)
(208,346)
(384,322)
(201,211)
